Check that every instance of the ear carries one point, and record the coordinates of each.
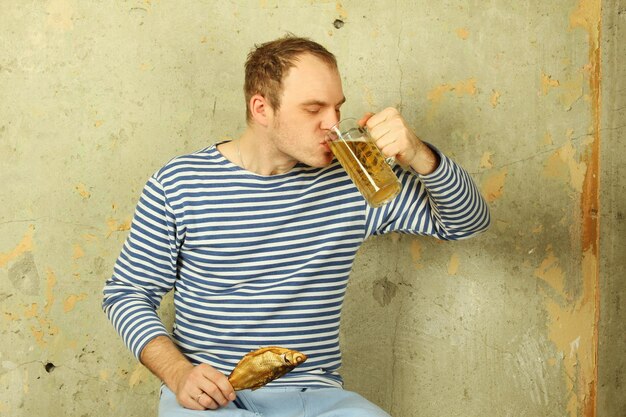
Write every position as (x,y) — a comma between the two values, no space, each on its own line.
(260,109)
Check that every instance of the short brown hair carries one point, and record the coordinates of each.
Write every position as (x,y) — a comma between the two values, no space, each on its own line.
(268,63)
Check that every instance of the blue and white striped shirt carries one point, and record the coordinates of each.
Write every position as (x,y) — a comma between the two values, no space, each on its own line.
(260,261)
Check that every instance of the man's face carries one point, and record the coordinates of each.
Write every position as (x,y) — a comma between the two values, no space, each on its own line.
(309,106)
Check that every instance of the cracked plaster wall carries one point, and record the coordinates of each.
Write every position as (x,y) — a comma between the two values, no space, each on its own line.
(96,96)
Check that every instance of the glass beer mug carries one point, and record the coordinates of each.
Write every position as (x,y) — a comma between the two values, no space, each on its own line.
(366,165)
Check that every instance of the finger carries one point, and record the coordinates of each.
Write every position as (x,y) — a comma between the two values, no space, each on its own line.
(393,143)
(380,132)
(200,391)
(363,120)
(381,117)
(190,402)
(391,150)
(220,388)
(390,126)
(224,385)
(207,402)
(187,397)
(213,394)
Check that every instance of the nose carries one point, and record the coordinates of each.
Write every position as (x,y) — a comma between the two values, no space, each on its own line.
(331,118)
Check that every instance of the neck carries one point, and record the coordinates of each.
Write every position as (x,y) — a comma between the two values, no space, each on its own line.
(257,153)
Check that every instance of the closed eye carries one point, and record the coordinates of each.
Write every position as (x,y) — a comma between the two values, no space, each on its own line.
(313,109)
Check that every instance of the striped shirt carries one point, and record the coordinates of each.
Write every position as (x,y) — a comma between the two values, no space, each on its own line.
(259,261)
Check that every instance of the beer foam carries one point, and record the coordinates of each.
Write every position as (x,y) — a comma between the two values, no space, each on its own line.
(359,139)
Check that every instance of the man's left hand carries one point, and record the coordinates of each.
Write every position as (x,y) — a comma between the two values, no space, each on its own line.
(395,139)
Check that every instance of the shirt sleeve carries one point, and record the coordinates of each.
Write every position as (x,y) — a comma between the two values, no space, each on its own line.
(144,271)
(445,204)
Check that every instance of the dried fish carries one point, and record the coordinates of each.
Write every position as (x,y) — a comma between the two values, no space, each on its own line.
(261,366)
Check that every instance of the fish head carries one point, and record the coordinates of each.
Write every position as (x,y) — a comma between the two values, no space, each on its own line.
(294,358)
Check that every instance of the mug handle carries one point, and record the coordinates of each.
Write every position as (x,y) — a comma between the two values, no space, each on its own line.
(391,160)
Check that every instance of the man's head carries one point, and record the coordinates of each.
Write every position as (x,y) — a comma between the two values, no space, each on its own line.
(269,63)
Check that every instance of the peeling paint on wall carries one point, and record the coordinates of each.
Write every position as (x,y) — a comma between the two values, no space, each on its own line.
(438,94)
(486,160)
(453,264)
(82,191)
(572,90)
(551,272)
(573,321)
(547,139)
(78,252)
(51,282)
(462,33)
(547,83)
(495,98)
(25,245)
(70,302)
(416,253)
(343,13)
(570,322)
(562,165)
(493,185)
(138,376)
(115,225)
(467,87)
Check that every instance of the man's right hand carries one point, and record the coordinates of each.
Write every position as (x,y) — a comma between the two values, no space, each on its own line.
(203,387)
(198,387)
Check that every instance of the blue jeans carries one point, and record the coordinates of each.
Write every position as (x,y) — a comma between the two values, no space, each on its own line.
(281,402)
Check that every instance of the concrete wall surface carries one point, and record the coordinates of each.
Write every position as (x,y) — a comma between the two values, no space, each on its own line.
(612,342)
(529,96)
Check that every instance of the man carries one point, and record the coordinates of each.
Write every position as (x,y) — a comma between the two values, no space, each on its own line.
(257,237)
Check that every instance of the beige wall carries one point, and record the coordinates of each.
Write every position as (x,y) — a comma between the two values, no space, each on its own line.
(612,328)
(528,96)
